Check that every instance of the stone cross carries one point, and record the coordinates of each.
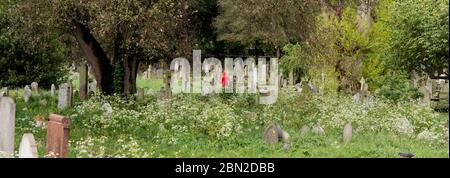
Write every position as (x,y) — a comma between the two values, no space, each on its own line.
(57,136)
(7,125)
(363,83)
(83,92)
(28,147)
(26,93)
(52,90)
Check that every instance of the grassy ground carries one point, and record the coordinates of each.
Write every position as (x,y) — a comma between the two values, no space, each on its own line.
(370,145)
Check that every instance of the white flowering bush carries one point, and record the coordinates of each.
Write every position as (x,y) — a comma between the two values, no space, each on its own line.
(224,119)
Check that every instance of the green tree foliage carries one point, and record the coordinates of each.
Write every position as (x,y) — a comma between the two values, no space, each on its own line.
(420,31)
(270,22)
(22,63)
(114,36)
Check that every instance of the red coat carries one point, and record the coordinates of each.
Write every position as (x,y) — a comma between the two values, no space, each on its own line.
(224,79)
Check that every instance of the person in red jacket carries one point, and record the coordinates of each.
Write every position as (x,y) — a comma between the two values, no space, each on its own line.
(224,79)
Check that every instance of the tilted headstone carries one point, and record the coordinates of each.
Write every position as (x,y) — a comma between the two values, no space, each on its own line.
(52,90)
(28,147)
(347,133)
(7,125)
(83,92)
(57,136)
(26,93)
(35,87)
(272,133)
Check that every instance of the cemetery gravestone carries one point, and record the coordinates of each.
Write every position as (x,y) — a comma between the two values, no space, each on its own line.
(57,136)
(28,147)
(83,92)
(7,125)
(347,136)
(271,134)
(35,87)
(107,108)
(64,95)
(26,93)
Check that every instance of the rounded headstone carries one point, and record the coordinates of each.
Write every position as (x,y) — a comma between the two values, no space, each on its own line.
(28,148)
(271,134)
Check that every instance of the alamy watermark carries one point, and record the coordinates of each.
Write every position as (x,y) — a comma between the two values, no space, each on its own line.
(236,76)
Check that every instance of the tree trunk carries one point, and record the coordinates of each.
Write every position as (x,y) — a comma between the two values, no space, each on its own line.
(130,75)
(95,56)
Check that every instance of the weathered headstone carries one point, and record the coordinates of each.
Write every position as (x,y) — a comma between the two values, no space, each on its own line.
(35,87)
(57,136)
(107,108)
(26,93)
(7,125)
(64,95)
(272,134)
(318,130)
(347,133)
(304,130)
(83,92)
(28,147)
(299,87)
(52,90)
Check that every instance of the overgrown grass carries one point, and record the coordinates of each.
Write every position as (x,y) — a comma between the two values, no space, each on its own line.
(232,126)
